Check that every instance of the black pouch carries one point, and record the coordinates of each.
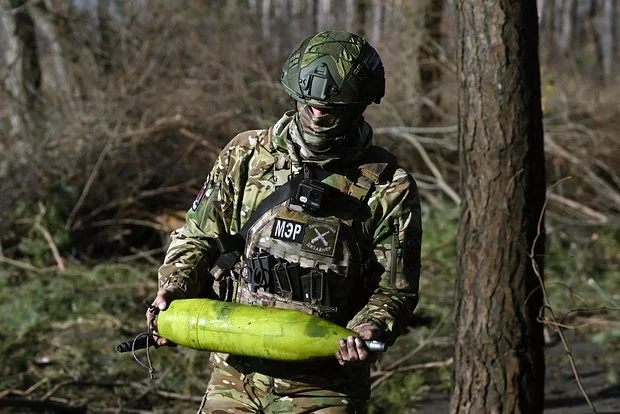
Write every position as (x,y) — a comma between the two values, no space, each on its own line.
(257,272)
(286,277)
(314,287)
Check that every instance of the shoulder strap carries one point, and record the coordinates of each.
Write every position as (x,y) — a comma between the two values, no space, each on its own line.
(375,165)
(231,245)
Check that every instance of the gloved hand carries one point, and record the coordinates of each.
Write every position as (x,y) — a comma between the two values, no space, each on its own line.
(353,350)
(163,299)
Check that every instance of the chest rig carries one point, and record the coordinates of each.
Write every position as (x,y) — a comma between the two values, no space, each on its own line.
(304,247)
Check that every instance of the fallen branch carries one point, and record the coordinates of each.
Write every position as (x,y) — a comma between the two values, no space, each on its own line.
(441,183)
(384,375)
(413,367)
(580,208)
(42,405)
(20,265)
(54,249)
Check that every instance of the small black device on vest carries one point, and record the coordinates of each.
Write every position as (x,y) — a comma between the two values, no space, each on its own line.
(310,194)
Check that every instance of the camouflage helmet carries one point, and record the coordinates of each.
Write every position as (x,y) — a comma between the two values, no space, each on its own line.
(334,68)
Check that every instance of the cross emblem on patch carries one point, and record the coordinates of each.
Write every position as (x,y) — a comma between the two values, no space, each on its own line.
(320,237)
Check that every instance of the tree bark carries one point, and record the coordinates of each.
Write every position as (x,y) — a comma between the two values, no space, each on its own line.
(547,31)
(23,76)
(498,355)
(568,28)
(607,38)
(103,53)
(55,28)
(377,21)
(362,18)
(430,72)
(324,15)
(266,18)
(350,15)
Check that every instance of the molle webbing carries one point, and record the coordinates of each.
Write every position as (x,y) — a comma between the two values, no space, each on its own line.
(231,245)
(375,164)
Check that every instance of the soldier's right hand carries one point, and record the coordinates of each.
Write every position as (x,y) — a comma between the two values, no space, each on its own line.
(163,299)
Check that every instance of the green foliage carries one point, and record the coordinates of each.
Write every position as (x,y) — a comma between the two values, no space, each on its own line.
(73,319)
(396,395)
(31,221)
(440,224)
(582,272)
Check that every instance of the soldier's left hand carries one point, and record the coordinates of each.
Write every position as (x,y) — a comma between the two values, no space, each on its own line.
(353,350)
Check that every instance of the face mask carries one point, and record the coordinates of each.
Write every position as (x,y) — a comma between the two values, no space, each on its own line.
(331,123)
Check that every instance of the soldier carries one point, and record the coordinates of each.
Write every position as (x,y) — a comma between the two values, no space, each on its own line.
(323,221)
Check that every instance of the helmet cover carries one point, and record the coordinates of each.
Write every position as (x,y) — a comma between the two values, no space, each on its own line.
(334,68)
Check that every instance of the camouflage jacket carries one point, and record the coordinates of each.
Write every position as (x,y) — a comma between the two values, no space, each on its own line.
(244,175)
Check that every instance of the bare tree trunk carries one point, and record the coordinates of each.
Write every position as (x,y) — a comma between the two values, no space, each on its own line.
(617,33)
(498,355)
(281,16)
(324,15)
(607,38)
(568,27)
(592,34)
(22,81)
(266,18)
(103,53)
(253,7)
(350,15)
(362,18)
(50,25)
(430,72)
(582,9)
(547,31)
(297,27)
(377,20)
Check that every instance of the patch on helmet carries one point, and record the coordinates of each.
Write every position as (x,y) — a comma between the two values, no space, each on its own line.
(320,237)
(199,197)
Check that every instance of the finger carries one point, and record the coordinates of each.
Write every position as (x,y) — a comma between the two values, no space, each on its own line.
(150,322)
(339,357)
(161,300)
(343,351)
(362,350)
(352,349)
(162,341)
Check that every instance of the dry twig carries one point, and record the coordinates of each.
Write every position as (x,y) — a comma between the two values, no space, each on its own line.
(547,306)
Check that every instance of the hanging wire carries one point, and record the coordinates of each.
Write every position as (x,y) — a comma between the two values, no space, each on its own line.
(148,337)
(149,365)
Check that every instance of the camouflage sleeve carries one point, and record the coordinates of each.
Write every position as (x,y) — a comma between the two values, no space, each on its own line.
(397,233)
(193,250)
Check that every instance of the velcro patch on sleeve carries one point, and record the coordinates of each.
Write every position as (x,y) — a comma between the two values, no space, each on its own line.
(199,197)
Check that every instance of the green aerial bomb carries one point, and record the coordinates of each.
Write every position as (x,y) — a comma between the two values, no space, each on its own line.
(264,332)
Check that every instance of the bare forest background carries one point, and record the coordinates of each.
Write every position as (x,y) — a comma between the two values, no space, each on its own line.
(112,113)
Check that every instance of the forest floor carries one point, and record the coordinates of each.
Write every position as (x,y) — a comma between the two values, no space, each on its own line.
(597,370)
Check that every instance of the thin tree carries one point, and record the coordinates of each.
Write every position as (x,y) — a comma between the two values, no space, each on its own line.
(607,37)
(498,355)
(22,81)
(55,27)
(430,71)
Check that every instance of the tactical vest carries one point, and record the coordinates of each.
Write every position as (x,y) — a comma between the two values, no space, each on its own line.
(310,252)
